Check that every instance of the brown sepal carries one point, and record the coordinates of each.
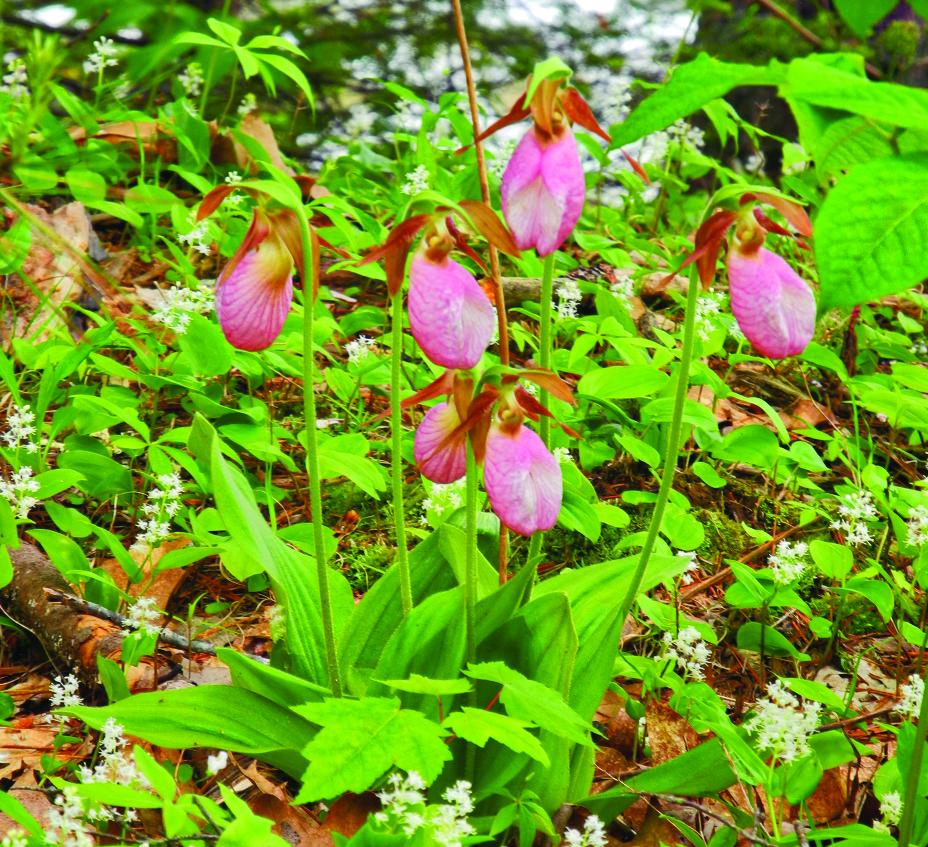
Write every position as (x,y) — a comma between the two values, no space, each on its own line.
(708,242)
(462,392)
(550,382)
(489,225)
(478,420)
(395,250)
(579,112)
(636,167)
(213,200)
(793,212)
(535,410)
(770,225)
(461,244)
(518,112)
(444,384)
(310,188)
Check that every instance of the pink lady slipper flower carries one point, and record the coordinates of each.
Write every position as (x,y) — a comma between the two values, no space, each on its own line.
(440,445)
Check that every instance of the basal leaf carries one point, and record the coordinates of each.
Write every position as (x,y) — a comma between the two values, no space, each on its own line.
(479,726)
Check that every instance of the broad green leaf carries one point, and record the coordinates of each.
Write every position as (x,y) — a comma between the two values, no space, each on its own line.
(754,636)
(532,701)
(817,691)
(206,351)
(623,382)
(871,235)
(219,716)
(479,726)
(289,69)
(861,15)
(55,481)
(418,684)
(692,86)
(64,553)
(228,33)
(877,592)
(283,688)
(833,560)
(113,794)
(848,142)
(380,735)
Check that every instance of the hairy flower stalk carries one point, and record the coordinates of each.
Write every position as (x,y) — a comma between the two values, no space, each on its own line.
(396,452)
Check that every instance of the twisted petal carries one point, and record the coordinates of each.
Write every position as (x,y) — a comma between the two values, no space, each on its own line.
(774,307)
(439,447)
(254,290)
(450,316)
(523,480)
(543,191)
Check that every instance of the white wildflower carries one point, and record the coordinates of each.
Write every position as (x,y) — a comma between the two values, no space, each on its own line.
(912,693)
(359,349)
(360,121)
(855,510)
(65,822)
(917,526)
(20,428)
(179,302)
(788,562)
(233,178)
(197,238)
(623,286)
(64,692)
(593,835)
(112,765)
(103,56)
(216,763)
(708,308)
(162,503)
(405,809)
(15,80)
(443,499)
(782,723)
(754,163)
(416,181)
(569,297)
(891,808)
(143,615)
(530,388)
(562,454)
(687,135)
(501,157)
(18,491)
(191,79)
(248,105)
(692,565)
(15,838)
(688,651)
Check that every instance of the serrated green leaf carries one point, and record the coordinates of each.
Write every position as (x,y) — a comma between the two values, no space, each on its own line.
(479,726)
(382,736)
(418,684)
(871,236)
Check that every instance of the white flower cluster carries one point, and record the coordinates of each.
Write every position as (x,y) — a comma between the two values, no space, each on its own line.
(360,348)
(248,105)
(688,650)
(103,56)
(562,454)
(917,526)
(856,509)
(20,428)
(593,835)
(15,838)
(144,616)
(708,309)
(501,156)
(405,808)
(15,80)
(692,565)
(178,303)
(64,692)
(443,498)
(623,287)
(416,181)
(112,765)
(163,503)
(215,763)
(64,824)
(782,723)
(754,163)
(687,135)
(890,810)
(788,562)
(18,491)
(198,238)
(912,693)
(191,79)
(569,297)
(360,121)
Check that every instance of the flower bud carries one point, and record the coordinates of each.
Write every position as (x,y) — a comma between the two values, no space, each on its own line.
(439,446)
(254,290)
(450,317)
(543,190)
(522,479)
(774,307)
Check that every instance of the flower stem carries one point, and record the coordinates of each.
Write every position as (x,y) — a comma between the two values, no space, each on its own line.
(470,557)
(673,444)
(911,779)
(312,455)
(396,452)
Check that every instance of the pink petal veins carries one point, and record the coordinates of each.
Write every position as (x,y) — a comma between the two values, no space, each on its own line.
(523,480)
(438,448)
(450,317)
(773,305)
(543,191)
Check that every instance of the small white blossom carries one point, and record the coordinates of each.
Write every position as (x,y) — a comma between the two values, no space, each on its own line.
(65,822)
(692,565)
(15,838)
(686,134)
(191,79)
(359,349)
(102,57)
(18,491)
(569,297)
(178,303)
(891,808)
(15,81)
(443,499)
(216,763)
(782,723)
(917,526)
(708,308)
(562,454)
(788,562)
(233,178)
(856,509)
(64,692)
(198,238)
(162,503)
(912,693)
(248,105)
(416,181)
(360,121)
(20,428)
(143,615)
(688,651)
(623,287)
(593,835)
(405,809)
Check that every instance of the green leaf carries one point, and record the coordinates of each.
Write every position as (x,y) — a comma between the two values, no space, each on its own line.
(112,794)
(479,726)
(113,678)
(848,142)
(861,15)
(283,688)
(532,701)
(692,86)
(418,684)
(877,592)
(708,474)
(219,716)
(229,34)
(64,553)
(207,353)
(833,560)
(289,69)
(775,643)
(623,382)
(871,236)
(382,736)
(55,481)
(103,477)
